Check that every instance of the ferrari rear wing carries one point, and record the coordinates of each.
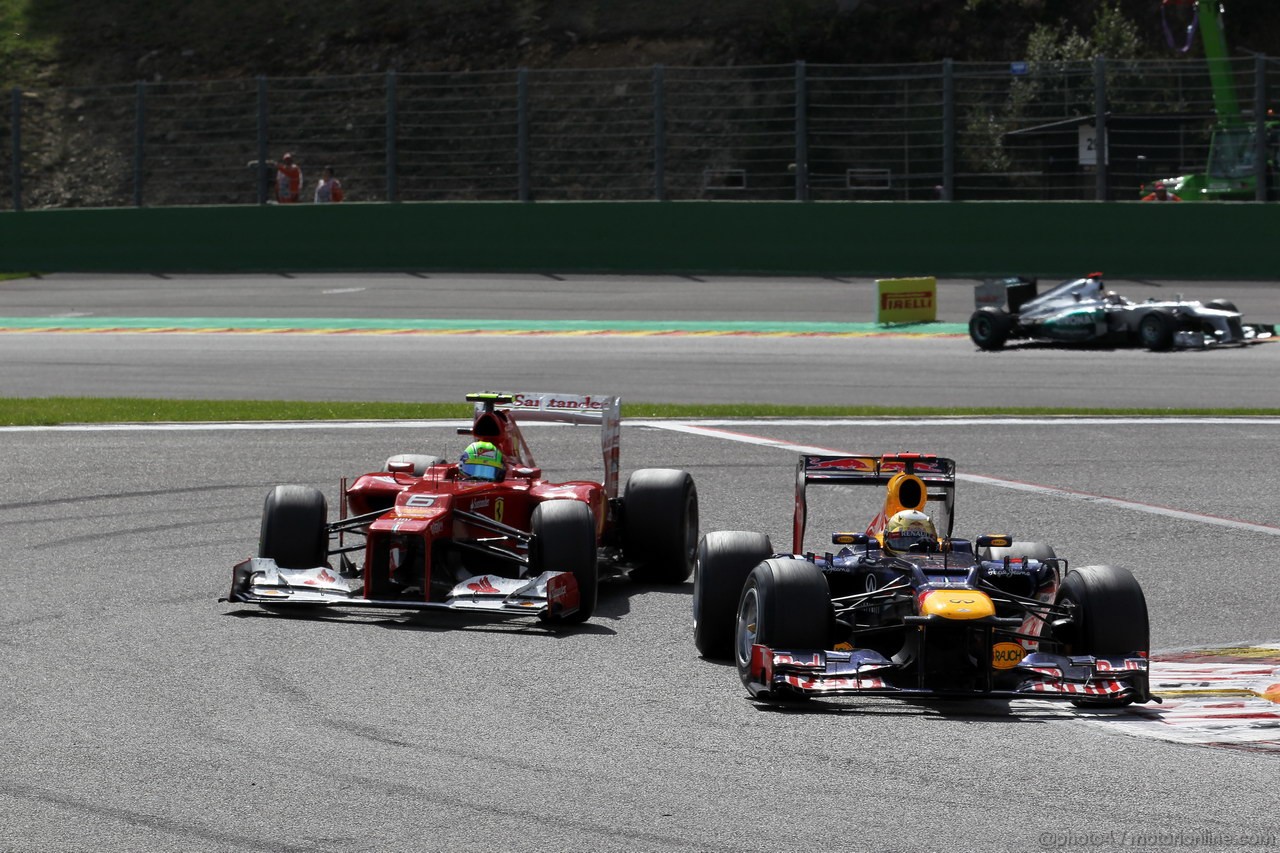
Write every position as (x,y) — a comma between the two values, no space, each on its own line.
(586,409)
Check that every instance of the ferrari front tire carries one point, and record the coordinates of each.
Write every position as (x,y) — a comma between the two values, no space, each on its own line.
(565,532)
(294,529)
(1029,550)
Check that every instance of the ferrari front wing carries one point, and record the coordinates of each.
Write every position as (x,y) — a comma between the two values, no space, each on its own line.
(259,580)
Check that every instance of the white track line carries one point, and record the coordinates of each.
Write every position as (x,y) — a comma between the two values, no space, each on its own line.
(1051,491)
(715,429)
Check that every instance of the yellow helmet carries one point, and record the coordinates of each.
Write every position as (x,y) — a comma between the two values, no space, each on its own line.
(909,528)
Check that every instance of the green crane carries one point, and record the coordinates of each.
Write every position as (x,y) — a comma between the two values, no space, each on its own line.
(1230,174)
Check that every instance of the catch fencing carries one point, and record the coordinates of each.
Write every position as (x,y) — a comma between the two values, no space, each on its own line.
(1103,129)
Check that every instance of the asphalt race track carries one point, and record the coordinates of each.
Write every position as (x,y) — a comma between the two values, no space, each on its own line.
(139,713)
(648,365)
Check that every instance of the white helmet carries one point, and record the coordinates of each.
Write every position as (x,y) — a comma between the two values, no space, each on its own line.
(910,527)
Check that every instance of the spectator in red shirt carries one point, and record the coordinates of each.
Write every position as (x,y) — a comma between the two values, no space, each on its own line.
(288,180)
(1160,193)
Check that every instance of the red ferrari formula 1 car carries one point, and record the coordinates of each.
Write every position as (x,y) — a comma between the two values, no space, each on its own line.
(494,539)
(906,609)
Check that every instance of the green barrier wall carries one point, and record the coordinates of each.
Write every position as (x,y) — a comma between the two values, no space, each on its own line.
(964,239)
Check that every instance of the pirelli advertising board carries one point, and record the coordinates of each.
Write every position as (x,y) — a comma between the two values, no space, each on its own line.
(907,300)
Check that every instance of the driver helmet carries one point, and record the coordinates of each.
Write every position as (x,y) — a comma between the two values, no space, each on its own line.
(908,528)
(481,461)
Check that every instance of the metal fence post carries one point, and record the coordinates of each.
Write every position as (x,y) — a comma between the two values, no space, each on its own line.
(659,134)
(392,164)
(139,140)
(262,139)
(802,133)
(948,130)
(1261,178)
(1100,136)
(522,132)
(16,163)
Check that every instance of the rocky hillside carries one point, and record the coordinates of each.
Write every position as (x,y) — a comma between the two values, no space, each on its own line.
(110,41)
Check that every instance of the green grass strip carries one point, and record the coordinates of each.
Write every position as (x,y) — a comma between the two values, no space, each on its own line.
(47,411)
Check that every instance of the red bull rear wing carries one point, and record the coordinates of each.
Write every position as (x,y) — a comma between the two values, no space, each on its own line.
(877,469)
(933,479)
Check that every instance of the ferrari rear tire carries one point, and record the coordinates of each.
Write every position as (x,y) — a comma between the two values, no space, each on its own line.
(1110,613)
(785,604)
(660,525)
(1032,550)
(725,558)
(566,542)
(294,531)
(419,461)
(990,328)
(1155,331)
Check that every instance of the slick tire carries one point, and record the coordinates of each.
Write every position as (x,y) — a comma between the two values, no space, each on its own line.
(1155,331)
(725,558)
(1222,305)
(294,531)
(1032,550)
(565,532)
(420,462)
(785,604)
(660,525)
(990,328)
(1110,613)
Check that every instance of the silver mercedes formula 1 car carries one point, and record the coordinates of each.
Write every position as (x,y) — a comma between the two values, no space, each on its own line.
(1084,311)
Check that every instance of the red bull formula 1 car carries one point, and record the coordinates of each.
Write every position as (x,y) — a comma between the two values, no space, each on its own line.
(422,534)
(906,609)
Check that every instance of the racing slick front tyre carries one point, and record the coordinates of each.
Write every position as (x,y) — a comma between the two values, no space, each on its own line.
(1155,331)
(990,328)
(1109,612)
(660,525)
(785,604)
(294,531)
(1222,305)
(725,558)
(419,461)
(566,542)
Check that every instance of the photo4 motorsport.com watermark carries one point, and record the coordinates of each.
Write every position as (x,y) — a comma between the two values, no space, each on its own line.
(1205,839)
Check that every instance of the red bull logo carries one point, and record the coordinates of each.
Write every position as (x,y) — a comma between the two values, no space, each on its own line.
(844,463)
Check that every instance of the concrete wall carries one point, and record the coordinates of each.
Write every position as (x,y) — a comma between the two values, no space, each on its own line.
(1234,241)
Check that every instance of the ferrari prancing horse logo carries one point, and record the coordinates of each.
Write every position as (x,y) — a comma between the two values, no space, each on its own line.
(498,507)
